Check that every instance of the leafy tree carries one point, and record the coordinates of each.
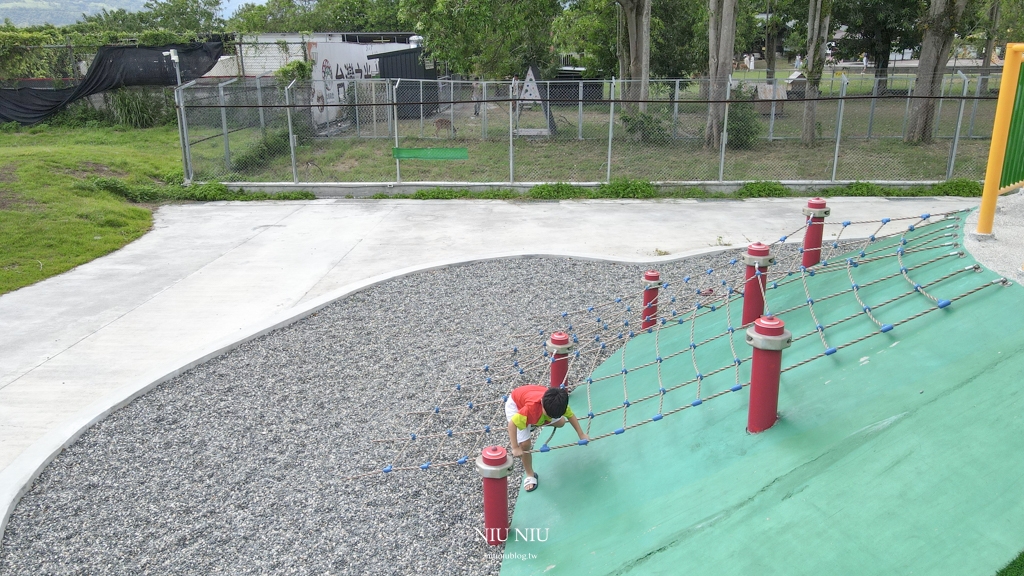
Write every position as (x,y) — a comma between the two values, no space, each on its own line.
(819,19)
(186,15)
(485,37)
(319,16)
(878,28)
(587,28)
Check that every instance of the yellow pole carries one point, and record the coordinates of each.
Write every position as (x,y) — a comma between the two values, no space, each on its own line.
(1000,133)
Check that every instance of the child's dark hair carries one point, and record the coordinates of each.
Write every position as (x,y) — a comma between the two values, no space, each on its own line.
(555,401)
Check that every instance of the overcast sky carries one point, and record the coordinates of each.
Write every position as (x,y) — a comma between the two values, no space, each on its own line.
(229,6)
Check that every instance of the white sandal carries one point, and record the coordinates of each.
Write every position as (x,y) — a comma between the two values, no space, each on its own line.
(531,483)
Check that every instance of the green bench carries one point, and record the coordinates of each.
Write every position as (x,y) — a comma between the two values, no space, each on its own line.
(430,153)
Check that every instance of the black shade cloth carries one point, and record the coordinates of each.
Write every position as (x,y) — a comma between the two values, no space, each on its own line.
(114,67)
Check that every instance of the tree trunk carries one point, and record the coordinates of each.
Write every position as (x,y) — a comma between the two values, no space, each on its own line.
(771,42)
(721,43)
(637,18)
(943,18)
(882,71)
(819,13)
(990,45)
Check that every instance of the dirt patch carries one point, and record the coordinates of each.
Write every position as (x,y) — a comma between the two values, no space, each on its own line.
(345,164)
(86,169)
(11,201)
(7,173)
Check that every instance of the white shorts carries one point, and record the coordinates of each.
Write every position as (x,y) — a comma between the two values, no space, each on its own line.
(511,410)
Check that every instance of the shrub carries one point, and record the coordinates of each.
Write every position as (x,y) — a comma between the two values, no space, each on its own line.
(559,191)
(626,188)
(296,70)
(10,127)
(80,114)
(763,190)
(645,127)
(141,108)
(745,126)
(957,187)
(261,152)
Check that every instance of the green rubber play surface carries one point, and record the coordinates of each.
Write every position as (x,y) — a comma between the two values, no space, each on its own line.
(899,453)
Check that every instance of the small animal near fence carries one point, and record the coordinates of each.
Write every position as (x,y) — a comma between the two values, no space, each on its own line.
(260,130)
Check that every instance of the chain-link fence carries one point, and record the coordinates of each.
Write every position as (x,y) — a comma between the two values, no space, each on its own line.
(686,130)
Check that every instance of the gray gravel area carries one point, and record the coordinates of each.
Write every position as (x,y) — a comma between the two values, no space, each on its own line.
(1003,252)
(243,465)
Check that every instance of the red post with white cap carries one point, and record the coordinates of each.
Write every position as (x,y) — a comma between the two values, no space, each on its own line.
(769,338)
(652,283)
(494,465)
(758,258)
(559,345)
(816,211)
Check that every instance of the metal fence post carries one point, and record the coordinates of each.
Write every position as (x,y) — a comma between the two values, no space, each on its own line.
(906,112)
(839,124)
(356,83)
(675,112)
(725,130)
(871,114)
(373,105)
(398,161)
(974,107)
(224,123)
(451,108)
(942,96)
(421,109)
(259,101)
(183,131)
(389,98)
(771,120)
(611,128)
(291,133)
(579,122)
(483,106)
(511,148)
(959,122)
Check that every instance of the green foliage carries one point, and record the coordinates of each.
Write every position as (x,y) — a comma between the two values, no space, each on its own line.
(81,114)
(209,192)
(645,127)
(763,190)
(295,70)
(485,37)
(745,125)
(261,152)
(1014,568)
(626,188)
(9,127)
(140,108)
(958,187)
(320,16)
(878,28)
(559,191)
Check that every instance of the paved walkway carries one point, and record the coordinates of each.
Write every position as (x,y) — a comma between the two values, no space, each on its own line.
(209,273)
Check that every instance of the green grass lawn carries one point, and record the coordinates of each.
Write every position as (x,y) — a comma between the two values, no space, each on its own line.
(47,225)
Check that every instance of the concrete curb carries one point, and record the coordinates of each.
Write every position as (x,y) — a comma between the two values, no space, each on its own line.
(18,477)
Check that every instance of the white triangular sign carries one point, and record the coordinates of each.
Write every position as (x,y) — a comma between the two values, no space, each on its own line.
(529,92)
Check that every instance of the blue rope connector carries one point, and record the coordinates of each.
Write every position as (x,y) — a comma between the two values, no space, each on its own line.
(449,432)
(710,270)
(598,319)
(625,322)
(541,332)
(686,279)
(663,322)
(603,345)
(628,308)
(515,349)
(458,387)
(696,402)
(870,239)
(911,227)
(757,272)
(620,430)
(387,469)
(575,340)
(801,251)
(631,334)
(577,353)
(662,391)
(488,380)
(846,223)
(885,220)
(597,338)
(917,287)
(590,309)
(700,376)
(521,371)
(731,290)
(820,328)
(774,285)
(693,345)
(564,314)
(783,239)
(425,466)
(673,300)
(731,329)
(625,370)
(899,250)
(620,335)
(863,254)
(504,397)
(824,263)
(568,328)
(867,308)
(582,442)
(830,351)
(545,448)
(656,417)
(810,272)
(605,326)
(618,299)
(462,460)
(736,388)
(737,361)
(713,308)
(626,403)
(437,409)
(469,405)
(733,261)
(699,306)
(925,216)
(590,380)
(412,436)
(944,303)
(680,321)
(855,286)
(487,429)
(886,327)
(903,241)
(590,414)
(658,359)
(487,367)
(810,300)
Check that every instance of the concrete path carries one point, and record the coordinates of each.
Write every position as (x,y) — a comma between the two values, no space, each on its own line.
(211,273)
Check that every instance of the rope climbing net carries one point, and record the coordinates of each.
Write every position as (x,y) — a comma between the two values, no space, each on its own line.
(689,353)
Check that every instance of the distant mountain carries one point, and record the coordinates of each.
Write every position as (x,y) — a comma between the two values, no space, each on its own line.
(59,12)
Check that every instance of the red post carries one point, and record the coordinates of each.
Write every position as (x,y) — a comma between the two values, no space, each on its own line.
(815,212)
(757,259)
(560,346)
(494,464)
(652,283)
(769,338)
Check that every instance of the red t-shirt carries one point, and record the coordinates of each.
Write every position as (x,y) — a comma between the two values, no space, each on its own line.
(531,411)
